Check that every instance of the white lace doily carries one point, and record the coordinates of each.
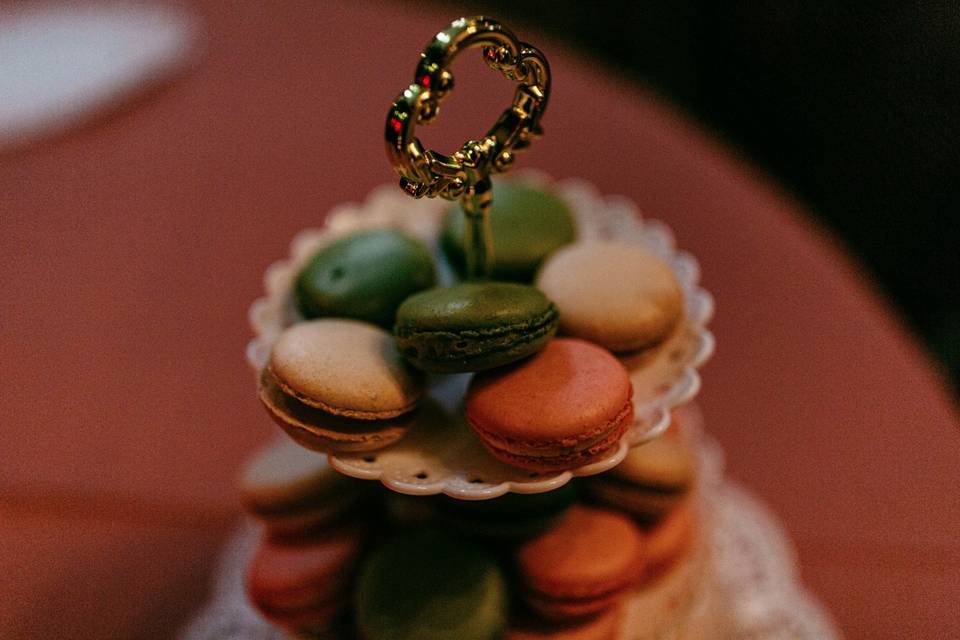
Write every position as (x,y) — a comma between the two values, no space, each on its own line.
(453,461)
(754,592)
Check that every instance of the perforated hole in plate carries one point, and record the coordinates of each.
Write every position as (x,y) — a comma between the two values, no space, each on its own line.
(423,475)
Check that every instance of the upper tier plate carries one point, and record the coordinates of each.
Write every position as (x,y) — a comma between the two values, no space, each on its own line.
(454,462)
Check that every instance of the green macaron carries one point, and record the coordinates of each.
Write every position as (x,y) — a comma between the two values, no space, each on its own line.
(528,223)
(428,585)
(474,326)
(365,276)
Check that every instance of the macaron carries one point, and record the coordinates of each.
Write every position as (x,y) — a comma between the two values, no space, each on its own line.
(324,432)
(652,479)
(671,539)
(511,517)
(365,275)
(294,491)
(583,565)
(474,326)
(567,406)
(669,587)
(339,385)
(616,294)
(304,587)
(428,585)
(606,625)
(527,223)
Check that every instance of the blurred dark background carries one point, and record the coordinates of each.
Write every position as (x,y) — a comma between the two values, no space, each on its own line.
(854,110)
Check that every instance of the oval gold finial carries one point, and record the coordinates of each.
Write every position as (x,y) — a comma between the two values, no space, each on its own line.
(465,175)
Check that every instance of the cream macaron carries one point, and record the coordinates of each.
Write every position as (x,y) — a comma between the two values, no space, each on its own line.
(616,294)
(293,490)
(341,385)
(651,481)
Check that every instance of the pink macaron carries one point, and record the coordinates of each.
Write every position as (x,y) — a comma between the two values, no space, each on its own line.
(565,407)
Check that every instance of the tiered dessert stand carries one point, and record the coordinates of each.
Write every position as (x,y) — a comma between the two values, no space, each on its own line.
(747,582)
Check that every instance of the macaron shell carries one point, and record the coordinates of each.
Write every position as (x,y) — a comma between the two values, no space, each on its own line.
(428,585)
(321,431)
(364,275)
(345,367)
(572,609)
(668,352)
(655,607)
(671,539)
(664,463)
(303,584)
(590,553)
(284,474)
(605,626)
(278,569)
(619,295)
(310,621)
(547,459)
(644,504)
(308,520)
(474,326)
(560,397)
(527,223)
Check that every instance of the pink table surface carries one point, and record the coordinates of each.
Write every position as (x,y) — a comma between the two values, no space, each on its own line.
(131,249)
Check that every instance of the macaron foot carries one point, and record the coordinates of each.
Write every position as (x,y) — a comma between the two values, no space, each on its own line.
(318,430)
(565,407)
(345,368)
(584,565)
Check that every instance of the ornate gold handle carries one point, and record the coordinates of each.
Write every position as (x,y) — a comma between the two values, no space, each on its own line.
(465,175)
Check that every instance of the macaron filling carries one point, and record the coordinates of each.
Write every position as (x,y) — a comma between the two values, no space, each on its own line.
(304,585)
(348,412)
(650,493)
(600,627)
(559,454)
(344,367)
(470,346)
(318,429)
(583,565)
(560,609)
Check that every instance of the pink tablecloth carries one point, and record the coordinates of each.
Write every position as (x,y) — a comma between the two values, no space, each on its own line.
(131,249)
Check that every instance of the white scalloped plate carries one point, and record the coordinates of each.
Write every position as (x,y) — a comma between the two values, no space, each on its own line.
(452,460)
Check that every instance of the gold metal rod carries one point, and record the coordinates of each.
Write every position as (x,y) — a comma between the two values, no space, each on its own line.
(478,237)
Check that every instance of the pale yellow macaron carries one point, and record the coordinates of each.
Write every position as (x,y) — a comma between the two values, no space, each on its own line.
(340,385)
(665,463)
(345,367)
(616,294)
(293,490)
(651,481)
